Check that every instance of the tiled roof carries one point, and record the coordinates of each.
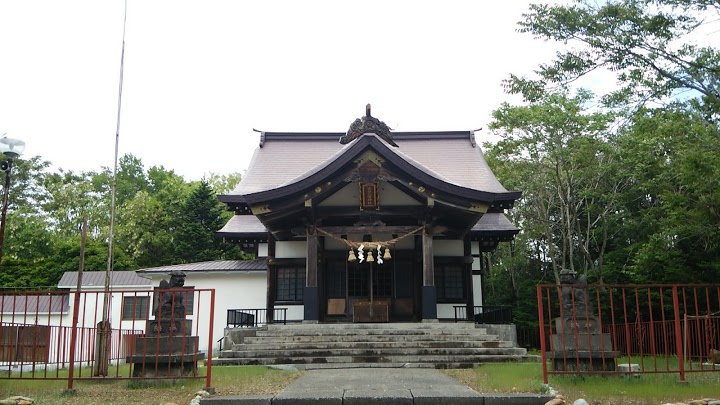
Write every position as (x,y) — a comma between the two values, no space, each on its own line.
(32,304)
(212,266)
(97,279)
(285,158)
(249,225)
(245,224)
(493,221)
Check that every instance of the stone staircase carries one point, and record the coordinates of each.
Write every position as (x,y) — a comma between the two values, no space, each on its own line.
(437,345)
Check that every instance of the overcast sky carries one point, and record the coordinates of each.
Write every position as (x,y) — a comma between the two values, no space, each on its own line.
(199,75)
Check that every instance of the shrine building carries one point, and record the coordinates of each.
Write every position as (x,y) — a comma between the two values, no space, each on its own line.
(370,225)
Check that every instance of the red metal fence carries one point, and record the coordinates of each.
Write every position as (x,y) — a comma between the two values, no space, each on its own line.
(63,335)
(593,329)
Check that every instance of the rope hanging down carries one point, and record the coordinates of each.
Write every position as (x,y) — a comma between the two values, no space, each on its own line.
(374,244)
(370,246)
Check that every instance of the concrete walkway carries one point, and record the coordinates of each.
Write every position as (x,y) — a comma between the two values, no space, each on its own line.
(379,386)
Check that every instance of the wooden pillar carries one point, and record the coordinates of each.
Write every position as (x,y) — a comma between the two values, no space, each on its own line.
(468,276)
(429,293)
(310,295)
(271,280)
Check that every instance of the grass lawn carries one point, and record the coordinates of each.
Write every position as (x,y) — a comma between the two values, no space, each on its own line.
(646,389)
(489,378)
(244,380)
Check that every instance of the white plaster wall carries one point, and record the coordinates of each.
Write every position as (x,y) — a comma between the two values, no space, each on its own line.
(390,195)
(262,249)
(445,247)
(294,313)
(91,304)
(349,196)
(477,290)
(477,278)
(290,249)
(446,311)
(236,290)
(42,318)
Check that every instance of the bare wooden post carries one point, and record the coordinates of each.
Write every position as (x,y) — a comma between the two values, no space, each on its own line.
(310,295)
(76,306)
(429,293)
(468,275)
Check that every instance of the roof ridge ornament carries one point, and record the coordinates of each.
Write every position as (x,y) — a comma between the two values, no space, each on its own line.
(367,124)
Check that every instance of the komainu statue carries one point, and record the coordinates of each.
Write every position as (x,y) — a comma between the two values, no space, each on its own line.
(171,304)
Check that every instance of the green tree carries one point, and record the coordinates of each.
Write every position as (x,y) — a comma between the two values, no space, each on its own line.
(557,153)
(26,183)
(645,43)
(72,197)
(202,215)
(224,183)
(144,231)
(670,215)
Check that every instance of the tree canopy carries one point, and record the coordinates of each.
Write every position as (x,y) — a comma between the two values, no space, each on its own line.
(155,208)
(622,186)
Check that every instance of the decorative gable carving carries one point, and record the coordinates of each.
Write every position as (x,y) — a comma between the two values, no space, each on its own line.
(368,124)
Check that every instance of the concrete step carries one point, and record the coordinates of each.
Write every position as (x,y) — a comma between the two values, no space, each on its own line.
(397,359)
(438,345)
(325,345)
(369,332)
(367,338)
(320,366)
(442,351)
(361,326)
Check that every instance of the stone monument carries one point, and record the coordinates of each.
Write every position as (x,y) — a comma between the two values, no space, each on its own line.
(167,347)
(578,342)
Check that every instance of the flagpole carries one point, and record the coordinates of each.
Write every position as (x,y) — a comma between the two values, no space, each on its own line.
(104,330)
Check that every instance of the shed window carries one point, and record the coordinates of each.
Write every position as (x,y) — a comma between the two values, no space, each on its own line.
(135,308)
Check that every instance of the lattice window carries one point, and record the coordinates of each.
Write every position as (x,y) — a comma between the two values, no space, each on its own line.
(449,282)
(290,284)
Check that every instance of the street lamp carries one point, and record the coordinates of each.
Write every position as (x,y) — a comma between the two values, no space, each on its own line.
(11,148)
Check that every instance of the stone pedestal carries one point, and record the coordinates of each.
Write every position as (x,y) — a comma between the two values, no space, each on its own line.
(166,350)
(169,327)
(579,345)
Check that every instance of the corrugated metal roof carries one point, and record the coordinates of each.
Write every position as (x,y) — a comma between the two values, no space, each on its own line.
(32,304)
(97,279)
(212,266)
(285,159)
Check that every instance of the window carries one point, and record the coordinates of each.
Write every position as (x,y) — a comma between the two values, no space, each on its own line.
(449,282)
(405,268)
(290,284)
(135,308)
(382,281)
(336,278)
(358,280)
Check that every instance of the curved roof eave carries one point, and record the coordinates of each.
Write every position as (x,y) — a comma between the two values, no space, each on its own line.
(348,154)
